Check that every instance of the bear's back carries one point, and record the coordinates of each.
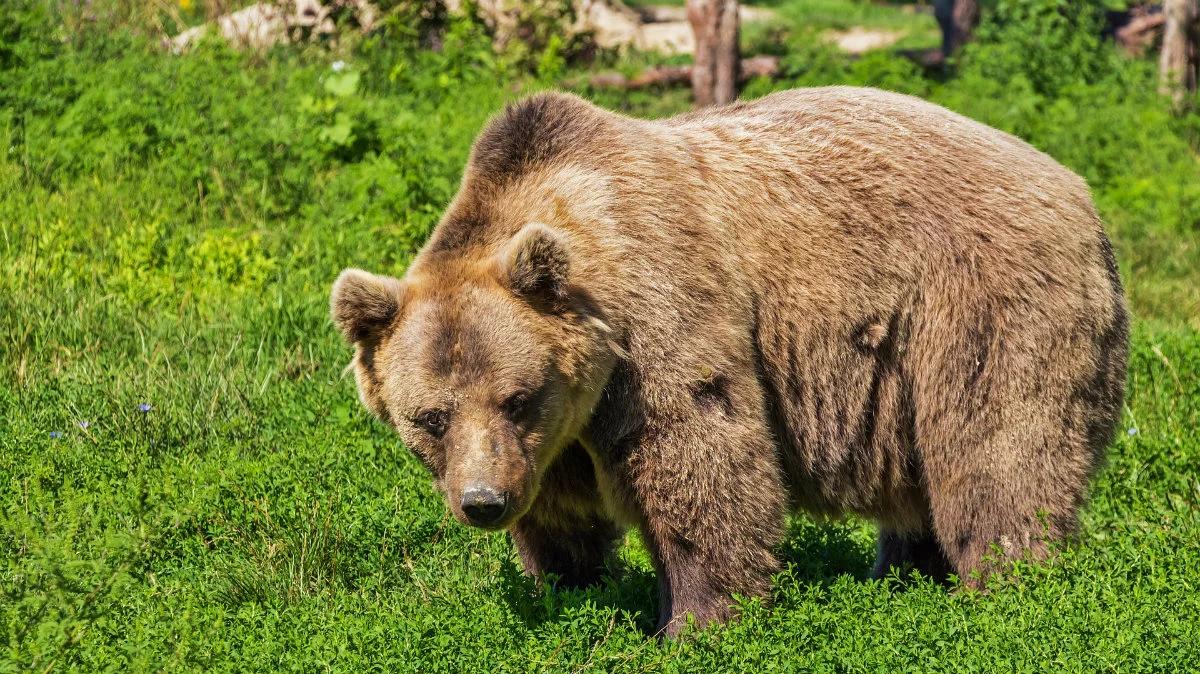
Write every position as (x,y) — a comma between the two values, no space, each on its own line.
(893,153)
(860,185)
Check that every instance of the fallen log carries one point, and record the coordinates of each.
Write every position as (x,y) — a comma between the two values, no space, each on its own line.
(757,66)
(1140,33)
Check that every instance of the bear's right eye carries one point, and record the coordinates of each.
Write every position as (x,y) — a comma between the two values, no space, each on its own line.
(433,421)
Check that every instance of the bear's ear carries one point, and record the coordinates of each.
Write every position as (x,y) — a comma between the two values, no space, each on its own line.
(536,265)
(363,303)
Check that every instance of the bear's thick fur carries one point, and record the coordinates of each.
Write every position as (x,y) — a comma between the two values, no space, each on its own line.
(839,300)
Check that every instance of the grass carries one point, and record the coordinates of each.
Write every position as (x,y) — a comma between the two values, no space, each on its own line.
(169,229)
(914,20)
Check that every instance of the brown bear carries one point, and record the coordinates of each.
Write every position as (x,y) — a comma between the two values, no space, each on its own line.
(837,300)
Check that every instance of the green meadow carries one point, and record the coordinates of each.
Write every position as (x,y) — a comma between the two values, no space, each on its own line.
(188,482)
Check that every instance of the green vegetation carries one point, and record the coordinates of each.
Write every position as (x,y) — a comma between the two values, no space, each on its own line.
(169,227)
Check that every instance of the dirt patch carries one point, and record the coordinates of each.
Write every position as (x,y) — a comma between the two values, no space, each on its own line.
(859,40)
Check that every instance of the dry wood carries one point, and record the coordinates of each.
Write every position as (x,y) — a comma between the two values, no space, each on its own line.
(1141,31)
(757,66)
(1181,43)
(715,70)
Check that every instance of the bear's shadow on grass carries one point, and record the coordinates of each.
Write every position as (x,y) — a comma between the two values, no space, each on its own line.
(813,553)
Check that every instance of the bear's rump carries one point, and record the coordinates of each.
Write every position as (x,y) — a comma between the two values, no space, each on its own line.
(862,399)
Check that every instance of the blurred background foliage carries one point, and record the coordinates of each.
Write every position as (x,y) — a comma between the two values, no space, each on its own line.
(85,91)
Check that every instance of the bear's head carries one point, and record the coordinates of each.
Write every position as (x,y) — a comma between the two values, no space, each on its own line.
(486,364)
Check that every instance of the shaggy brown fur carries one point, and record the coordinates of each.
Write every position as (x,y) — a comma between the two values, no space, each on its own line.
(839,300)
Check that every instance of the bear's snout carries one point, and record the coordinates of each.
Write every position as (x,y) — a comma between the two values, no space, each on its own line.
(484,506)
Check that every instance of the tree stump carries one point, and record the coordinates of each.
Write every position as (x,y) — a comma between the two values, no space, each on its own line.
(715,69)
(1180,57)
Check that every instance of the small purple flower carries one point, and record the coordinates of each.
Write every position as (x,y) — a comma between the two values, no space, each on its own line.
(145,407)
(84,424)
(54,435)
(1132,431)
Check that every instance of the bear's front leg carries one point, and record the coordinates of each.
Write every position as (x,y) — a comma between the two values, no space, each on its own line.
(711,501)
(566,532)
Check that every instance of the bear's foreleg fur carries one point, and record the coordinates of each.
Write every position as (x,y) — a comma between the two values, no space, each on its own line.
(708,497)
(567,532)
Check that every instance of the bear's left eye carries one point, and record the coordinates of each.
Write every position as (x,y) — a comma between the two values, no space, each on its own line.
(516,405)
(433,421)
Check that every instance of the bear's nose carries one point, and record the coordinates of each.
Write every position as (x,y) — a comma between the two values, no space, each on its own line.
(484,506)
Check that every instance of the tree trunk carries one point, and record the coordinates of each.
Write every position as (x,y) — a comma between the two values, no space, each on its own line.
(1180,49)
(715,70)
(957,19)
(966,16)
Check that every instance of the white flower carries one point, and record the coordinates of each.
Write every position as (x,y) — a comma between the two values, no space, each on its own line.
(338,66)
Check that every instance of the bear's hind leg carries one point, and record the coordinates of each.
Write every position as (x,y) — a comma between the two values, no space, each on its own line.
(1014,403)
(1006,485)
(983,528)
(984,520)
(908,551)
